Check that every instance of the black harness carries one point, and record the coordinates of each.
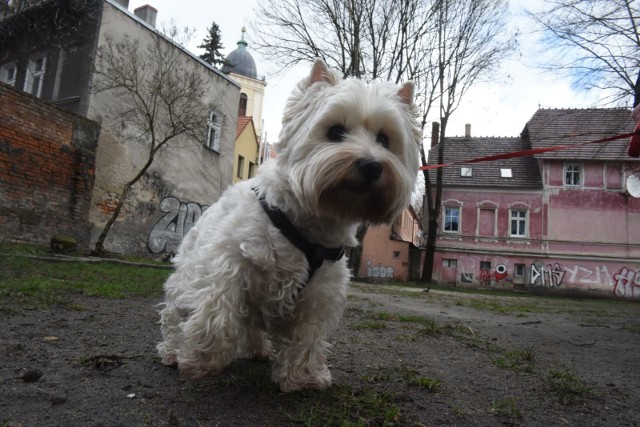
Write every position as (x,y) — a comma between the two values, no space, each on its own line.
(316,254)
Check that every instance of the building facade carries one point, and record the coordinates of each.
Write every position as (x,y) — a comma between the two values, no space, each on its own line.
(393,252)
(559,220)
(58,64)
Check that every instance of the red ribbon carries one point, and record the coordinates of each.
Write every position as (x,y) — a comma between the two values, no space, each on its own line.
(634,144)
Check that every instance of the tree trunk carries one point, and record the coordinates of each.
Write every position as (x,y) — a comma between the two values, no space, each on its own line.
(98,250)
(636,92)
(355,254)
(427,269)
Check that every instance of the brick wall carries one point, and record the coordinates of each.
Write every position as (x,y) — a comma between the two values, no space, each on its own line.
(47,164)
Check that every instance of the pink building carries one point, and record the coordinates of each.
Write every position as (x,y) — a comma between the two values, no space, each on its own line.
(392,252)
(561,219)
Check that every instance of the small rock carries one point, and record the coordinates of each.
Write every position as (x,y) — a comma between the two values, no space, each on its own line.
(31,375)
(57,399)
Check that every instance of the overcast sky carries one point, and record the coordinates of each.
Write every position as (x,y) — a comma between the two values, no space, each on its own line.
(499,108)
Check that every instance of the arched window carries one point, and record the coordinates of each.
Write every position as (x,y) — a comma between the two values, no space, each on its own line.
(242,108)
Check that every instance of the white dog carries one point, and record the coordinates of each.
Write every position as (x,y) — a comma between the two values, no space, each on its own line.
(261,274)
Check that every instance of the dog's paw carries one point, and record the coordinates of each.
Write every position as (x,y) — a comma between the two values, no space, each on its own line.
(194,372)
(321,381)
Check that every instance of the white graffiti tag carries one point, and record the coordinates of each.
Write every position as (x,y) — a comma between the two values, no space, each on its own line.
(627,283)
(168,232)
(547,276)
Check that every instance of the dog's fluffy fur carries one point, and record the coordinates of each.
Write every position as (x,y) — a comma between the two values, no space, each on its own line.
(236,288)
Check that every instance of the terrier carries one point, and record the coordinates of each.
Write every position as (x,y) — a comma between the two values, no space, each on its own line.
(262,273)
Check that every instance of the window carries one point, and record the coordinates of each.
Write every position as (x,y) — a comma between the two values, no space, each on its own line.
(466,171)
(452,220)
(8,73)
(572,174)
(214,128)
(451,263)
(485,265)
(518,221)
(242,108)
(240,167)
(396,254)
(252,169)
(519,270)
(35,76)
(506,173)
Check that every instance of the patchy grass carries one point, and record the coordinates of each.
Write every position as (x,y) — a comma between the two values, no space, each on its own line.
(369,324)
(516,360)
(505,408)
(431,384)
(343,405)
(43,282)
(567,386)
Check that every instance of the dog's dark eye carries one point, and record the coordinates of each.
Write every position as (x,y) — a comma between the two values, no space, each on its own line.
(382,139)
(337,133)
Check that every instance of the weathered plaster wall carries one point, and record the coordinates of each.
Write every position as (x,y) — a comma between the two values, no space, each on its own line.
(183,181)
(47,160)
(378,261)
(617,277)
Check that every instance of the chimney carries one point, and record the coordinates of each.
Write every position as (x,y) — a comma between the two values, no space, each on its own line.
(147,13)
(123,3)
(435,133)
(467,130)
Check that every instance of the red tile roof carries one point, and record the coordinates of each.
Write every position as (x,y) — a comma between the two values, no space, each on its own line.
(243,121)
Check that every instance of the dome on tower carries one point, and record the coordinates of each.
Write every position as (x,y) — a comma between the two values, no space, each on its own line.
(240,61)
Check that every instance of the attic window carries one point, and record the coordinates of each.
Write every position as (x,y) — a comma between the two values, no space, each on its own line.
(506,173)
(466,171)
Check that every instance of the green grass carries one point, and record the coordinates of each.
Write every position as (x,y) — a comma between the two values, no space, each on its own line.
(43,283)
(505,408)
(369,324)
(567,386)
(344,405)
(431,384)
(516,360)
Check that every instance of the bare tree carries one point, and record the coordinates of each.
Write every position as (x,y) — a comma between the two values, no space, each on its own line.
(595,42)
(160,99)
(469,43)
(366,39)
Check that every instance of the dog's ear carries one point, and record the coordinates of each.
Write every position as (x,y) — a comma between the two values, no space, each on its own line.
(406,93)
(321,73)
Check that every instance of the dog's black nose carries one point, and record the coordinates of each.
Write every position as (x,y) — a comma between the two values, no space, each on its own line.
(369,169)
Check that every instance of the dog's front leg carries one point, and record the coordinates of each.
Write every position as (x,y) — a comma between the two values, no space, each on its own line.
(210,333)
(299,360)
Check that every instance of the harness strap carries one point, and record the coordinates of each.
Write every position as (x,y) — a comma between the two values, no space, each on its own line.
(316,254)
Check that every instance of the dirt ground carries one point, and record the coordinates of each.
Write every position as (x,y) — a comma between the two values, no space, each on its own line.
(400,357)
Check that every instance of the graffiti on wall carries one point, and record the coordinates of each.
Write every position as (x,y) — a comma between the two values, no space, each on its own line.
(627,283)
(167,233)
(548,277)
(586,276)
(501,274)
(380,271)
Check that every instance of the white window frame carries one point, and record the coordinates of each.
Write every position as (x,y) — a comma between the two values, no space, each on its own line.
(573,168)
(34,77)
(446,215)
(521,218)
(214,130)
(8,73)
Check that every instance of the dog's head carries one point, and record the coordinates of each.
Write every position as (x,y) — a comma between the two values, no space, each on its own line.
(350,150)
